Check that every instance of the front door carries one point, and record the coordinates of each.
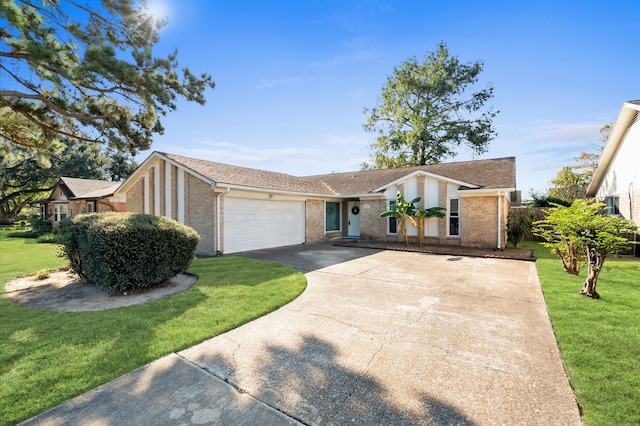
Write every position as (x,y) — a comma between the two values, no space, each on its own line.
(353,227)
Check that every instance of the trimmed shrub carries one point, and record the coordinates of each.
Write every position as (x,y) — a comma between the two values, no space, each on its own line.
(40,226)
(47,239)
(123,251)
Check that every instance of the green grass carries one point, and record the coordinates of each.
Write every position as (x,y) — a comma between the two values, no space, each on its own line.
(48,357)
(599,339)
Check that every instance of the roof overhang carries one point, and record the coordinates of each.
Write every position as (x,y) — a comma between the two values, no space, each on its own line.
(484,192)
(620,127)
(427,174)
(275,191)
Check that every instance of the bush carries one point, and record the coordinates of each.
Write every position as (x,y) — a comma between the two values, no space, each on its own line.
(40,226)
(122,251)
(519,226)
(47,238)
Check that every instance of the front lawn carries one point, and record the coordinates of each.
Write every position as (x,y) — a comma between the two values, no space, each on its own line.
(48,357)
(599,339)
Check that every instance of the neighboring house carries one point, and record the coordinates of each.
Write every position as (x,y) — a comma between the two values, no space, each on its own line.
(72,196)
(237,209)
(616,180)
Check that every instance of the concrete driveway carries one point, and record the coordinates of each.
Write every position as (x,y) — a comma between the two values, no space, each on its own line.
(378,337)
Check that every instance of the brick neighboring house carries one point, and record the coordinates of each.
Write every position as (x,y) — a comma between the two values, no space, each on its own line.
(72,196)
(237,209)
(616,180)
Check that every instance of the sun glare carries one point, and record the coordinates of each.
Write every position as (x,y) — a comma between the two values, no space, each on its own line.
(159,9)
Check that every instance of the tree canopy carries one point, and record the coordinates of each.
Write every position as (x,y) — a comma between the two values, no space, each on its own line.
(77,72)
(23,179)
(569,185)
(584,231)
(427,110)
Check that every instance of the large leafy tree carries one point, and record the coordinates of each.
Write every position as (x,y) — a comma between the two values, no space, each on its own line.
(73,71)
(427,110)
(584,231)
(569,185)
(23,179)
(587,161)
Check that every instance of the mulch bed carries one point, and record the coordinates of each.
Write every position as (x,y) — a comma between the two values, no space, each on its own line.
(516,254)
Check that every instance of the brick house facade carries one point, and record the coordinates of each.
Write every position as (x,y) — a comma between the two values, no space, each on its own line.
(237,209)
(73,196)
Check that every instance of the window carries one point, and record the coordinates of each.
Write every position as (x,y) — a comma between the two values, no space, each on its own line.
(392,222)
(454,217)
(91,206)
(60,212)
(332,216)
(613,205)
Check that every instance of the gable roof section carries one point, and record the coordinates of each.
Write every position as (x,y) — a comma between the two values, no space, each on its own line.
(86,188)
(499,173)
(629,112)
(479,174)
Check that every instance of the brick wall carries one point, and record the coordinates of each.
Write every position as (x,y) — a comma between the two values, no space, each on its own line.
(135,197)
(200,211)
(199,202)
(314,220)
(480,222)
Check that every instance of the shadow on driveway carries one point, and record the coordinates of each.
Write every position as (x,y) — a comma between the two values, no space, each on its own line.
(309,257)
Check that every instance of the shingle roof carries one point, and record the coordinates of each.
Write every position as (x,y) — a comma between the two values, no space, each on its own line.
(242,176)
(87,188)
(487,174)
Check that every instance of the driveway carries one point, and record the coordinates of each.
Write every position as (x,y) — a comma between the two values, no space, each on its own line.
(378,337)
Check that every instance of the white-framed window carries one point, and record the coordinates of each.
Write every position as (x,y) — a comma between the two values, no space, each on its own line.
(60,212)
(332,216)
(613,205)
(392,222)
(453,218)
(91,206)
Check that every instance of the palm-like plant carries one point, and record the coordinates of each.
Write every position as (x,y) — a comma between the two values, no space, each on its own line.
(423,214)
(403,211)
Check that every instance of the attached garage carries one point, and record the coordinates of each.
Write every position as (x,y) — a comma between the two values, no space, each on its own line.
(251,224)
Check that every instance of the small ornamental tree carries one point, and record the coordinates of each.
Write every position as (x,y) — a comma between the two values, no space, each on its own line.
(423,214)
(584,231)
(403,211)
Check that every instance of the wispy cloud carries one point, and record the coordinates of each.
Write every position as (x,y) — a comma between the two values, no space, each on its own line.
(358,56)
(341,152)
(268,84)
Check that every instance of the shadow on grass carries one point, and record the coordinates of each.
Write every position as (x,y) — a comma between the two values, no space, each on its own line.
(49,356)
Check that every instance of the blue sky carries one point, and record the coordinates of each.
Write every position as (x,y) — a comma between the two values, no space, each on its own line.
(293,77)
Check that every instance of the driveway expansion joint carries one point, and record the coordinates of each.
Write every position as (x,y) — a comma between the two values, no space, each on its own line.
(240,390)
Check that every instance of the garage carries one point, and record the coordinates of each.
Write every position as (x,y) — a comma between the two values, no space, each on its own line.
(251,224)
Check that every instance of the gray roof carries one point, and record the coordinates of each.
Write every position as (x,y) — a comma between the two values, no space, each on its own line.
(86,188)
(486,174)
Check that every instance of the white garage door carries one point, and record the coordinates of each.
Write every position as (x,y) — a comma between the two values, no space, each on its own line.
(258,224)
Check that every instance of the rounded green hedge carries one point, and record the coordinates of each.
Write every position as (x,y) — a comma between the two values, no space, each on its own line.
(124,251)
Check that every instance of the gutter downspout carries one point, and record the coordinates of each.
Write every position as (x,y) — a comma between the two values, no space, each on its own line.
(218,237)
(499,224)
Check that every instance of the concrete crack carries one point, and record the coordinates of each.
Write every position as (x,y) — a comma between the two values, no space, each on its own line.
(339,321)
(240,390)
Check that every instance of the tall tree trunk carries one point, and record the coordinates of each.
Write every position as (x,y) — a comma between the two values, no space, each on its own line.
(595,260)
